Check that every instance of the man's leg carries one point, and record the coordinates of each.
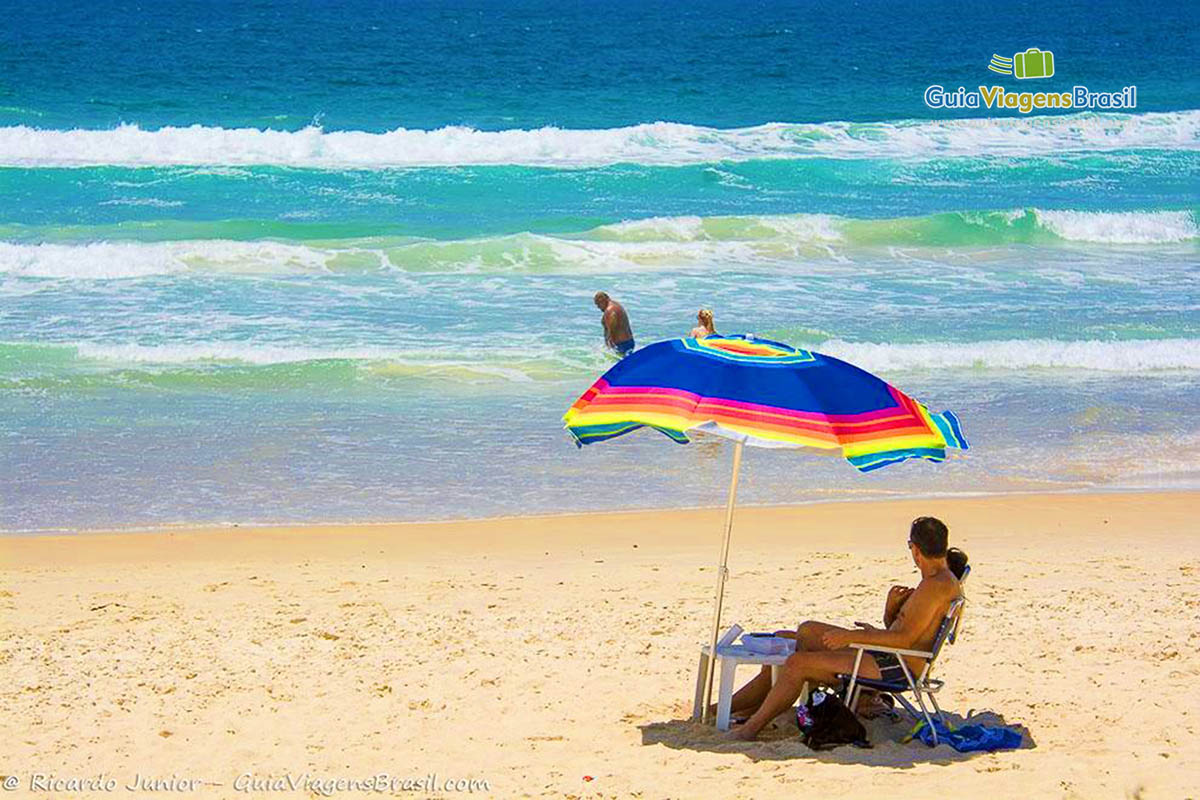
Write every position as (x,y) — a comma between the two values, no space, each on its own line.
(813,667)
(808,635)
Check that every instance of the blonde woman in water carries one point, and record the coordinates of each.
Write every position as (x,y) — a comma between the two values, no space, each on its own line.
(705,317)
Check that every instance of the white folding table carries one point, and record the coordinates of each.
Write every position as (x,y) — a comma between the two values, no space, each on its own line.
(730,656)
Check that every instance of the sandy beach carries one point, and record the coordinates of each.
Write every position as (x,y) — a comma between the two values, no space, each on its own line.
(554,656)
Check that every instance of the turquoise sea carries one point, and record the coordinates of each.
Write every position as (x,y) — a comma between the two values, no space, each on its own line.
(280,261)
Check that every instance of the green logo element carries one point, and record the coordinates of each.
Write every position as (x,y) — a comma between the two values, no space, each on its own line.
(1033,63)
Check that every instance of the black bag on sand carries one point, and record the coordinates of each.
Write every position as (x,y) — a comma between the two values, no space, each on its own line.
(825,722)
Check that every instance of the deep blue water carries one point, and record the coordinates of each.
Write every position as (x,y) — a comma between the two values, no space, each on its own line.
(374,65)
(313,261)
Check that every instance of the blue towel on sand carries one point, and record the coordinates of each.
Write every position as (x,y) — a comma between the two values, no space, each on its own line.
(969,738)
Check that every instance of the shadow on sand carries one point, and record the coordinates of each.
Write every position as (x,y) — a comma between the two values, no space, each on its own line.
(781,742)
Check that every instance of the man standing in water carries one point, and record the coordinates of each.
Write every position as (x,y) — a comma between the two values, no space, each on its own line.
(618,336)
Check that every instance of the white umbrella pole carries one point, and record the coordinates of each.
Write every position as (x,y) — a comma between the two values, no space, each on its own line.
(722,571)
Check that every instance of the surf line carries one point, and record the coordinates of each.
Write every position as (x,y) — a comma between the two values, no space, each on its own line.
(997,97)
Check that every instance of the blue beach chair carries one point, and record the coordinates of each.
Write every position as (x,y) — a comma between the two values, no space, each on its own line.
(922,686)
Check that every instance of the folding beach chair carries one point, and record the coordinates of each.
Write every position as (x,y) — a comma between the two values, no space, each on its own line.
(922,686)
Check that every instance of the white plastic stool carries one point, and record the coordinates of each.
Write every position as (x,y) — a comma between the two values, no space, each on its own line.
(729,657)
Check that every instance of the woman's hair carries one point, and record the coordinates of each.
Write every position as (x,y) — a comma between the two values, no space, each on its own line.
(957,561)
(705,316)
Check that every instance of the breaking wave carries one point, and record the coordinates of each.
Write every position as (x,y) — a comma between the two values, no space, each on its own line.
(272,367)
(631,245)
(665,143)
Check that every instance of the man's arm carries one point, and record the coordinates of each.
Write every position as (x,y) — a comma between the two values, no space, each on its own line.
(895,601)
(607,320)
(915,616)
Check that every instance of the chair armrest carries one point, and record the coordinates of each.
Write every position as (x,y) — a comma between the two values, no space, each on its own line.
(897,650)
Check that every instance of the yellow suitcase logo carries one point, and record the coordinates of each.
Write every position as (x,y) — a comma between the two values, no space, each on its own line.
(1033,63)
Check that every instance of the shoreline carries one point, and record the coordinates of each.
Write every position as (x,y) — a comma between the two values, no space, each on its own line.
(867,517)
(251,526)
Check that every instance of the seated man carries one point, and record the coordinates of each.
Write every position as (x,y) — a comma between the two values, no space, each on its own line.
(823,652)
(956,560)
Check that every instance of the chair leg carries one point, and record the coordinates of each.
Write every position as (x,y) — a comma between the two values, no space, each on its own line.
(725,698)
(909,707)
(912,712)
(850,690)
(928,719)
(701,701)
(938,709)
(916,688)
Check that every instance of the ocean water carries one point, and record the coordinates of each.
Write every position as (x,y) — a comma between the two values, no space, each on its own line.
(282,261)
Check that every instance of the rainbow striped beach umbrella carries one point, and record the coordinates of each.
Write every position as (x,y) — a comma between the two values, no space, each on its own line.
(765,394)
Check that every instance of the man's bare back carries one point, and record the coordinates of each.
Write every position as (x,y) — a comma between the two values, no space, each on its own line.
(618,334)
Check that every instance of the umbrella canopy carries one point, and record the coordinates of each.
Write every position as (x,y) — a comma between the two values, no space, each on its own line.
(764,394)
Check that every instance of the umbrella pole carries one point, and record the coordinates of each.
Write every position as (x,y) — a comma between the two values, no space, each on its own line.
(721,573)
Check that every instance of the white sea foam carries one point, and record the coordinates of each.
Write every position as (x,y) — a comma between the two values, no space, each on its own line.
(657,242)
(804,227)
(677,229)
(523,252)
(100,260)
(242,352)
(1100,227)
(651,143)
(1131,227)
(793,227)
(1108,356)
(515,364)
(144,202)
(1140,355)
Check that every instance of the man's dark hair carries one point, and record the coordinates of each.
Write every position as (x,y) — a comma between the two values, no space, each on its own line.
(930,535)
